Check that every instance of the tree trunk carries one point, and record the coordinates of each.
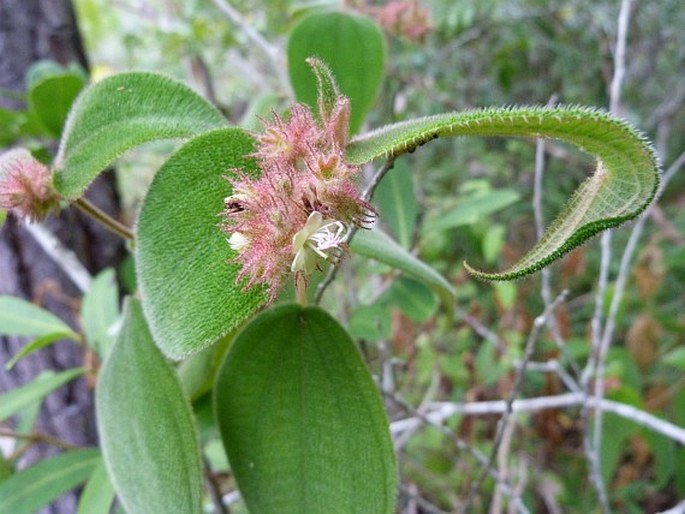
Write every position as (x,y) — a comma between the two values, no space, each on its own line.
(31,30)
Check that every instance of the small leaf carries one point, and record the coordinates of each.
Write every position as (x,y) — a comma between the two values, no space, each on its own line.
(17,399)
(188,285)
(98,494)
(30,489)
(301,419)
(471,209)
(100,311)
(354,49)
(397,204)
(624,184)
(51,98)
(675,358)
(36,345)
(119,113)
(21,318)
(147,434)
(377,245)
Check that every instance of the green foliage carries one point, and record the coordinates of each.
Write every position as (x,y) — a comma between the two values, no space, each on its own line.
(193,309)
(98,493)
(302,422)
(51,94)
(22,397)
(377,245)
(37,344)
(21,318)
(354,49)
(119,113)
(30,489)
(100,311)
(624,184)
(397,203)
(146,426)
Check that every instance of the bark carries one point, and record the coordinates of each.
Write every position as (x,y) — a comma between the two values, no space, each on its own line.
(31,30)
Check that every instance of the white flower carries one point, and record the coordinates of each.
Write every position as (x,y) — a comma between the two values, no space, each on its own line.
(238,241)
(318,238)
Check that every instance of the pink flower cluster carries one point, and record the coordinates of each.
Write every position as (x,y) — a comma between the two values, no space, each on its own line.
(408,18)
(302,205)
(26,186)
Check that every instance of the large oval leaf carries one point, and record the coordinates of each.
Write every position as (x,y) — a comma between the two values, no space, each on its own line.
(148,438)
(352,46)
(119,113)
(36,486)
(301,419)
(625,182)
(189,292)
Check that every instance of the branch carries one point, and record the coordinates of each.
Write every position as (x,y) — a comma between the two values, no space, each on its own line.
(61,255)
(538,325)
(438,412)
(271,52)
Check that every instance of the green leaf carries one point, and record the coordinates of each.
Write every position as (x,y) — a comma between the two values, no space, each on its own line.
(188,285)
(17,399)
(354,49)
(36,345)
(98,494)
(147,434)
(100,310)
(51,98)
(301,419)
(30,489)
(675,358)
(624,184)
(397,204)
(119,113)
(473,208)
(415,300)
(377,245)
(21,318)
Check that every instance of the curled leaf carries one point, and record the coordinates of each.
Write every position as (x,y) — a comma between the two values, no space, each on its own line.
(624,183)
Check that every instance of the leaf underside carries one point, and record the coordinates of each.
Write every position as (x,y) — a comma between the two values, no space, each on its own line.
(624,183)
(147,432)
(120,113)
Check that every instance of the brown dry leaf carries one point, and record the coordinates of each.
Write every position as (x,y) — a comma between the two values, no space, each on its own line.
(649,271)
(642,340)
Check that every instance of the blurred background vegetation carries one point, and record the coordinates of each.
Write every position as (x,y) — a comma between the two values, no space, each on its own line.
(473,199)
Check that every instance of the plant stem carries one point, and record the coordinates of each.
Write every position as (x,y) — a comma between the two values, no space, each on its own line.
(105,219)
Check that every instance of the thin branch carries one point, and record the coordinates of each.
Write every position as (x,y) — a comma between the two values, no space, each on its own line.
(538,325)
(271,52)
(61,255)
(418,418)
(438,412)
(104,219)
(366,195)
(38,437)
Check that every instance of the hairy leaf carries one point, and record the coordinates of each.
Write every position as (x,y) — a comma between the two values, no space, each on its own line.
(30,489)
(354,49)
(147,434)
(189,289)
(119,113)
(301,419)
(625,182)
